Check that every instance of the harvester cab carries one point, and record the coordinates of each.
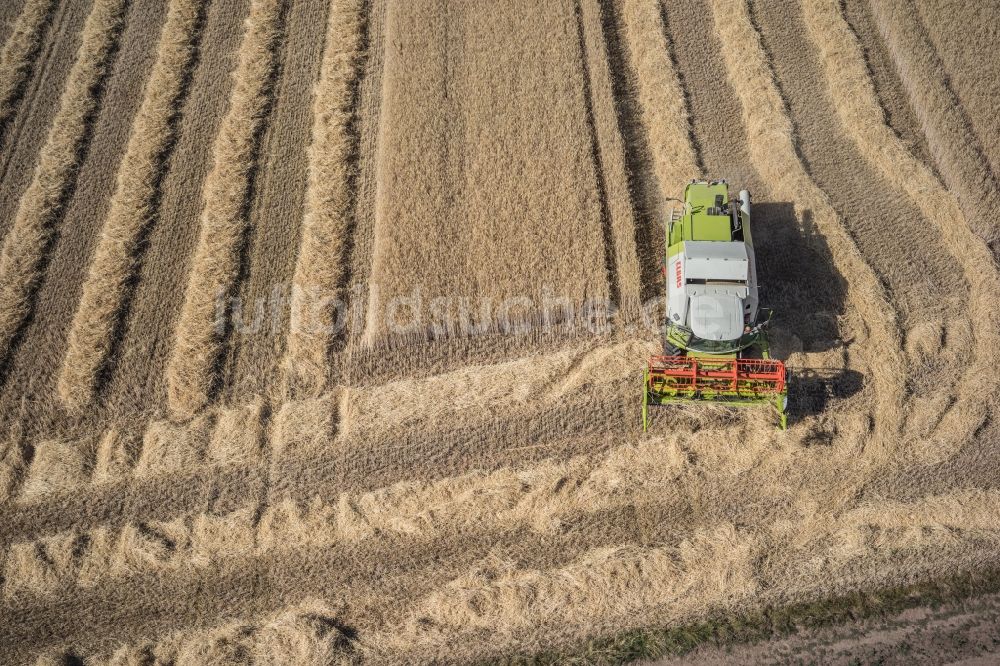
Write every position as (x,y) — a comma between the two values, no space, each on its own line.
(715,340)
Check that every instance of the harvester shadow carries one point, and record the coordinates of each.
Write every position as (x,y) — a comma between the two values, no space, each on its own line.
(810,390)
(799,279)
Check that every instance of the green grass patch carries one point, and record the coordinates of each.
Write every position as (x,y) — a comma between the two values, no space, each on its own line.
(773,622)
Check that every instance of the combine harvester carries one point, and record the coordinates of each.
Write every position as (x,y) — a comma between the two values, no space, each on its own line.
(715,343)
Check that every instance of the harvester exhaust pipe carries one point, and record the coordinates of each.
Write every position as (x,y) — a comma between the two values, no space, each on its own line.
(745,203)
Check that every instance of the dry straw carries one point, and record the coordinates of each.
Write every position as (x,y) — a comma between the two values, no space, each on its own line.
(58,466)
(661,98)
(305,634)
(132,207)
(319,269)
(25,245)
(955,148)
(12,465)
(19,51)
(856,103)
(487,188)
(606,586)
(771,145)
(610,147)
(191,369)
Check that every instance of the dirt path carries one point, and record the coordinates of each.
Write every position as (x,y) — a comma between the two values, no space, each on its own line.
(958,633)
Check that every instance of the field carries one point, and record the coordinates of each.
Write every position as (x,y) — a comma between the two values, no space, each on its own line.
(322,323)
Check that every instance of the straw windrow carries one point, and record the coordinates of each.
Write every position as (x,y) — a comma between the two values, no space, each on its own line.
(132,207)
(319,269)
(39,209)
(857,105)
(198,337)
(771,145)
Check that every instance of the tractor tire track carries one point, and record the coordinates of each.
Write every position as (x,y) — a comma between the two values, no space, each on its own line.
(920,278)
(20,54)
(371,90)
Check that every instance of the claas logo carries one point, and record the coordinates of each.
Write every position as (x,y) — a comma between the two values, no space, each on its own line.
(677,273)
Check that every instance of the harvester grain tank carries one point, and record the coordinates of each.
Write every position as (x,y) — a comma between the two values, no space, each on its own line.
(715,338)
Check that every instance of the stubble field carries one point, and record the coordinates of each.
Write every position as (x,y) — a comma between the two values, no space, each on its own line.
(322,322)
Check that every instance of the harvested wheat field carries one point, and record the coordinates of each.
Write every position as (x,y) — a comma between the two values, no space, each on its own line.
(323,323)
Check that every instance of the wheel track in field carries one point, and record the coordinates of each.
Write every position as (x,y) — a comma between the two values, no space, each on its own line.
(610,140)
(597,158)
(550,497)
(20,55)
(637,154)
(922,278)
(957,36)
(262,329)
(921,287)
(362,243)
(891,93)
(11,134)
(486,594)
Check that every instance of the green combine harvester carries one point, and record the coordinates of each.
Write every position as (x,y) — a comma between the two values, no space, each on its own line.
(715,342)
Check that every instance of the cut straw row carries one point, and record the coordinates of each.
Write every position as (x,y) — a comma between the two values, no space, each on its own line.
(25,245)
(953,144)
(772,150)
(661,98)
(857,105)
(319,268)
(132,206)
(191,371)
